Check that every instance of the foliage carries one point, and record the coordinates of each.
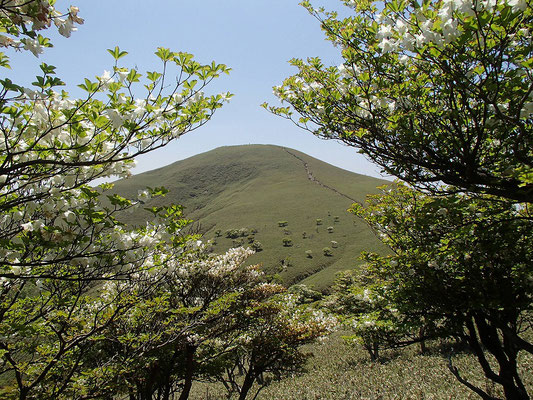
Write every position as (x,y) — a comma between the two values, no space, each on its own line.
(371,319)
(327,252)
(256,246)
(432,92)
(439,94)
(270,348)
(462,266)
(287,242)
(305,294)
(236,233)
(60,241)
(175,334)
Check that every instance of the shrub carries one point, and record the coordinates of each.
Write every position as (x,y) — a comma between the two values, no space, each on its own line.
(287,242)
(257,246)
(281,224)
(237,242)
(309,253)
(232,233)
(236,233)
(327,251)
(318,221)
(334,244)
(330,229)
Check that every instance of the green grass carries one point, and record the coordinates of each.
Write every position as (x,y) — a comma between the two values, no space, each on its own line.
(339,372)
(256,186)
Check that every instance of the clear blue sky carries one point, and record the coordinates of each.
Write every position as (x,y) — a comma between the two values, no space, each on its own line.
(256,38)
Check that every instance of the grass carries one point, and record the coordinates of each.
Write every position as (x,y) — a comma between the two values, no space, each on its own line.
(256,186)
(340,372)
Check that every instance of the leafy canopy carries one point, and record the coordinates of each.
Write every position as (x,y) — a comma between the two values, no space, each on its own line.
(432,91)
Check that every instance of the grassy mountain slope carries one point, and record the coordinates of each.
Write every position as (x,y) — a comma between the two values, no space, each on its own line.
(256,187)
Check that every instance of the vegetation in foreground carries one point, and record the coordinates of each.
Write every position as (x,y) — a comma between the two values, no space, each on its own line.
(438,92)
(341,371)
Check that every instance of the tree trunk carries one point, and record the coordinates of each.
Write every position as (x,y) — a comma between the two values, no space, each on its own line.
(167,381)
(190,350)
(421,333)
(373,349)
(247,384)
(504,353)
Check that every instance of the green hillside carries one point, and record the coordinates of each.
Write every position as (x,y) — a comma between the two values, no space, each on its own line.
(259,188)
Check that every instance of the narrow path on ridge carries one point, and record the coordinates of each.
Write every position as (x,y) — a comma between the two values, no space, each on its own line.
(313,179)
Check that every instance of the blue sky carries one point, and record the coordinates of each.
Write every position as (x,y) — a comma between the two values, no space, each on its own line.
(256,38)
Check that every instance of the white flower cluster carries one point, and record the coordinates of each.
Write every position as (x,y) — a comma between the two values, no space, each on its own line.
(34,16)
(405,35)
(217,266)
(409,34)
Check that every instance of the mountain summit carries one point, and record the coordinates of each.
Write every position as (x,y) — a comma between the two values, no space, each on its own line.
(290,206)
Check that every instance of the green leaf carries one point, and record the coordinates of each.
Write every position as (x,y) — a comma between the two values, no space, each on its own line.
(89,86)
(164,54)
(153,76)
(116,53)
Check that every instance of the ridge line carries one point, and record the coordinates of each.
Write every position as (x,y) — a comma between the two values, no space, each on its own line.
(313,179)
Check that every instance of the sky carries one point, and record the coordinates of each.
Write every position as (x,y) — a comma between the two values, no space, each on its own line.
(256,38)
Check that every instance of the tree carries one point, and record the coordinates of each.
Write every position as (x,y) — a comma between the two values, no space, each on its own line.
(360,308)
(60,241)
(175,334)
(270,346)
(462,266)
(439,94)
(432,91)
(287,242)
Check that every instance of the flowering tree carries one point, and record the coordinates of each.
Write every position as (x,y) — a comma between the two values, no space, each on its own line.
(432,91)
(52,146)
(202,317)
(439,94)
(276,326)
(357,303)
(463,266)
(59,241)
(174,332)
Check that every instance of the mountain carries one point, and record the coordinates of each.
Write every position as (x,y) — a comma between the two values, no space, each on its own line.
(292,204)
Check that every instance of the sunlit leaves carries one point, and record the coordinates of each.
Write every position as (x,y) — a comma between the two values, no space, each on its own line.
(70,266)
(116,53)
(429,83)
